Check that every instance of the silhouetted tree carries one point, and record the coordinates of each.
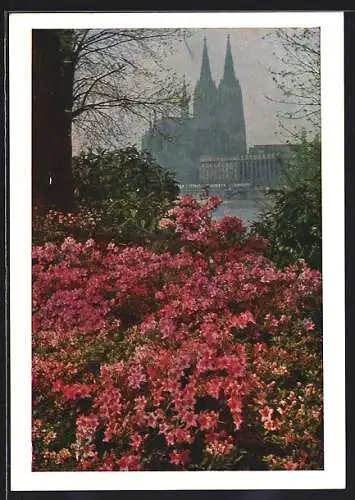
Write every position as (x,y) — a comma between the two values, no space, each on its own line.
(95,79)
(52,182)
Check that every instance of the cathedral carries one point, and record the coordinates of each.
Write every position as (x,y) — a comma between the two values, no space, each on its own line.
(210,146)
(215,129)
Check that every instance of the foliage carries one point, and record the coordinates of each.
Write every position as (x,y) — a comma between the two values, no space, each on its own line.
(102,176)
(292,223)
(121,194)
(205,356)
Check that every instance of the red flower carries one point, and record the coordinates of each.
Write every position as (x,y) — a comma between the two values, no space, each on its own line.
(136,440)
(208,420)
(180,457)
(129,462)
(152,420)
(309,325)
(266,413)
(243,319)
(190,419)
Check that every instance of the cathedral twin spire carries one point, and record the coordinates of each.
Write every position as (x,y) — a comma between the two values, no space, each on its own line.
(206,93)
(216,128)
(228,74)
(219,111)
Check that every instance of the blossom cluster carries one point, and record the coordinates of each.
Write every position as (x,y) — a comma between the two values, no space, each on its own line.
(55,225)
(203,356)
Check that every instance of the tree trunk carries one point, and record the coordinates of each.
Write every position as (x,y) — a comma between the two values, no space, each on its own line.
(52,183)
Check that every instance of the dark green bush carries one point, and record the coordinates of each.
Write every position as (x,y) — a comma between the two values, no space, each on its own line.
(292,223)
(121,195)
(125,175)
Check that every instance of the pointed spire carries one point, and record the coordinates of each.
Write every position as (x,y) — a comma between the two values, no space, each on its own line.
(205,74)
(205,93)
(228,74)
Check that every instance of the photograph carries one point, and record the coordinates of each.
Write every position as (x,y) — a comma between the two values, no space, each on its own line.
(179,318)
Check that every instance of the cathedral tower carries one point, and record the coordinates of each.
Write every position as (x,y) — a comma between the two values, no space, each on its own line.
(205,107)
(205,92)
(230,116)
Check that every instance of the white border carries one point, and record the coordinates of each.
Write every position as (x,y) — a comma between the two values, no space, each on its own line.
(20,26)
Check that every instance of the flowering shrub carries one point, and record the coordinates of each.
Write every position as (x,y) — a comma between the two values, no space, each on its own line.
(55,226)
(204,356)
(102,224)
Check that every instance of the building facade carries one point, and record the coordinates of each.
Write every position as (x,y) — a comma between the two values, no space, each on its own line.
(256,170)
(210,145)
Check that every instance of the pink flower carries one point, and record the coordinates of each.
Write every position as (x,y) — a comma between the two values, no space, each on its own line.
(136,440)
(180,457)
(152,420)
(220,447)
(208,420)
(190,419)
(309,325)
(86,427)
(129,462)
(166,223)
(266,413)
(136,377)
(242,320)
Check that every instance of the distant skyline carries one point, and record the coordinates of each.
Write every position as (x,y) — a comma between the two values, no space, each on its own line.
(253,54)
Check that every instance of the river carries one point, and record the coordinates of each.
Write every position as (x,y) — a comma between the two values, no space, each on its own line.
(248,212)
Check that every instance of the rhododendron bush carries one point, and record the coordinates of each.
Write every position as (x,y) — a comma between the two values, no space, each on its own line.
(202,356)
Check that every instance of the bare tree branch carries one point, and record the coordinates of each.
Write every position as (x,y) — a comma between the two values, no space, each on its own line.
(298,75)
(119,75)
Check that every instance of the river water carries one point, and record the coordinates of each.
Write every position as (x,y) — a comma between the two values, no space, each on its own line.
(247,213)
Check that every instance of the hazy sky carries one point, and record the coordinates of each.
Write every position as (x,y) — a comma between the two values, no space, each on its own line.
(252,55)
